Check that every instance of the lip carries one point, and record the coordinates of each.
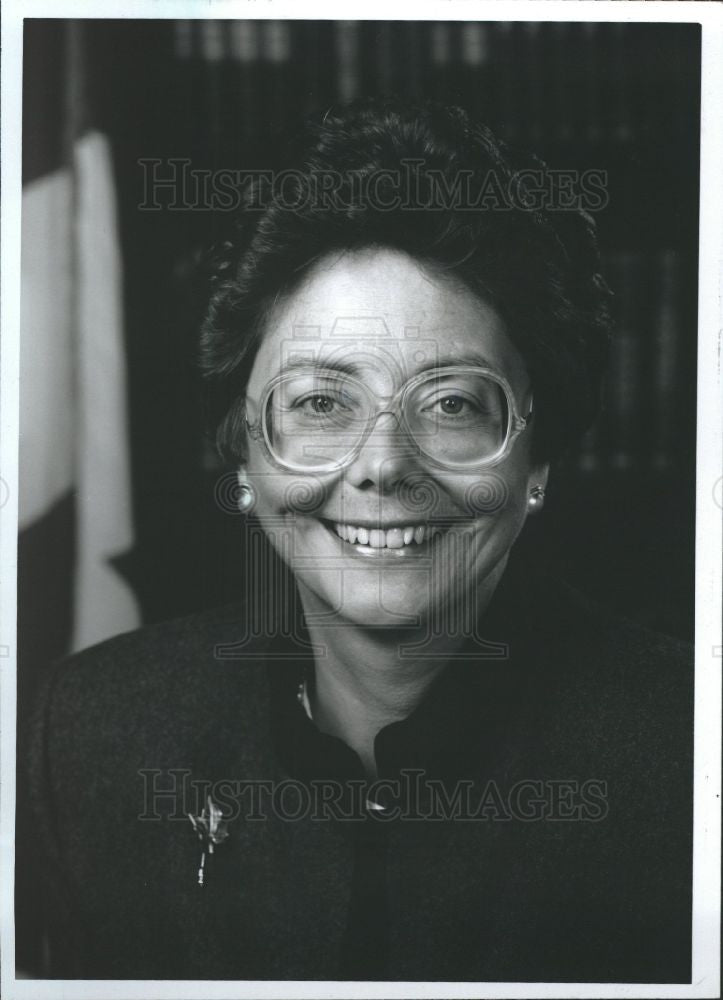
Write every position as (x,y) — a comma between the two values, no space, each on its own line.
(411,553)
(373,525)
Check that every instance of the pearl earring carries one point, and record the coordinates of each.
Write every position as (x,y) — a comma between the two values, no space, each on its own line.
(246,495)
(537,496)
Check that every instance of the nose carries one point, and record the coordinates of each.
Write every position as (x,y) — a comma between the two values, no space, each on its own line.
(386,456)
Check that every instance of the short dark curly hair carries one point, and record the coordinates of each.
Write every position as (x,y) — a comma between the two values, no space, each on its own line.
(427,180)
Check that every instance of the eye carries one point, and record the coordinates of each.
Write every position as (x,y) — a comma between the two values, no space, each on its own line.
(324,404)
(319,404)
(452,405)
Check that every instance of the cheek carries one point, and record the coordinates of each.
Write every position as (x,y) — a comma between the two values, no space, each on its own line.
(280,493)
(498,494)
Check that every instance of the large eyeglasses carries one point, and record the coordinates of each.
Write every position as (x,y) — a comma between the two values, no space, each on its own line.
(318,420)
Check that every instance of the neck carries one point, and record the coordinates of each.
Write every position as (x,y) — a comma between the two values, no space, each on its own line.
(362,682)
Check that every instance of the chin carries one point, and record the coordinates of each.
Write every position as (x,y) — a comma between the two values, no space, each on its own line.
(404,598)
(367,598)
(397,588)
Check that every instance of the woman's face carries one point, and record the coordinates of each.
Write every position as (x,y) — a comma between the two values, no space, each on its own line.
(346,534)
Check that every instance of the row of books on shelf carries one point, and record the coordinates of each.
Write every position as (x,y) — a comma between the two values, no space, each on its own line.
(557,80)
(648,416)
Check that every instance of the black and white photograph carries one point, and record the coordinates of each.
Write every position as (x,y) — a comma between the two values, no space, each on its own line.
(361,496)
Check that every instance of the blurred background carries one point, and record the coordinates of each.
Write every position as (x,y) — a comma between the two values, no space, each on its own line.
(119,519)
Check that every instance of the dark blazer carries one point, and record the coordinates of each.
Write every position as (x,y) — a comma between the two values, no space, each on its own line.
(586,718)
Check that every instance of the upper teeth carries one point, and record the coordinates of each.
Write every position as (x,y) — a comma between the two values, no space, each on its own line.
(393,538)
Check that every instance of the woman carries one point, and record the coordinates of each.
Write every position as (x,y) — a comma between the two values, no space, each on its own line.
(404,756)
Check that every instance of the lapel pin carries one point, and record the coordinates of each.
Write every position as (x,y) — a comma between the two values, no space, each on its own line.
(211,830)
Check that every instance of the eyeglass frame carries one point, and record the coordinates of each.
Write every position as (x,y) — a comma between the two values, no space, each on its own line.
(516,423)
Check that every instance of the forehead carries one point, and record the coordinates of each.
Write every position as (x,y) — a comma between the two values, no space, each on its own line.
(388,317)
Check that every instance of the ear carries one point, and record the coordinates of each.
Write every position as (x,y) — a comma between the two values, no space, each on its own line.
(539,475)
(246,498)
(536,486)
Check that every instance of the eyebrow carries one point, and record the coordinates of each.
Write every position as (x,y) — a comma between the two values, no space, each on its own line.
(473,358)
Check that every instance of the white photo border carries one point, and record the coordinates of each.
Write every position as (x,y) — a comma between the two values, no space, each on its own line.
(709,479)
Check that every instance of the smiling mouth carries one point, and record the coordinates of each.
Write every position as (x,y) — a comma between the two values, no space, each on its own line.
(395,541)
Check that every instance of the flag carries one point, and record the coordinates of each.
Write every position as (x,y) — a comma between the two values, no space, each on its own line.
(75,499)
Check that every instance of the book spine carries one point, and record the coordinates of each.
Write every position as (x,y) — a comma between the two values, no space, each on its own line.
(665,360)
(624,363)
(347,59)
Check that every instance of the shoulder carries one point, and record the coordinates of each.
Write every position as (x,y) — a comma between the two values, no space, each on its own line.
(599,636)
(153,694)
(601,678)
(164,646)
(167,657)
(614,656)
(623,655)
(621,695)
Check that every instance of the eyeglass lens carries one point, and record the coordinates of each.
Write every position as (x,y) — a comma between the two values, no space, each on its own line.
(314,419)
